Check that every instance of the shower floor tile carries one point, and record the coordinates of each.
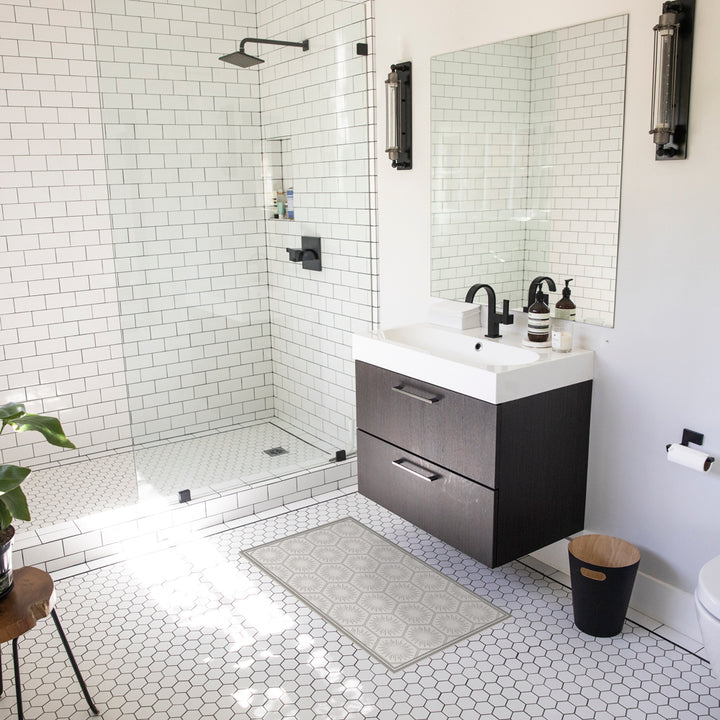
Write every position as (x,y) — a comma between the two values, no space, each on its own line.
(211,462)
(221,460)
(67,492)
(198,632)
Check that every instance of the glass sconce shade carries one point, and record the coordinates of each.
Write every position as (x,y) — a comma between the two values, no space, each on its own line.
(672,56)
(398,118)
(664,86)
(392,85)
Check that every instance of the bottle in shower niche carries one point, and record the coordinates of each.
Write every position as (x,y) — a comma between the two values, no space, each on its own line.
(539,319)
(290,204)
(281,205)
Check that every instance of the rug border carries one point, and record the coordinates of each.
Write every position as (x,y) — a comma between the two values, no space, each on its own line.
(343,631)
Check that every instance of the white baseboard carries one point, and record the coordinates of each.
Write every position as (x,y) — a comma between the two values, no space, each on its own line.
(652,597)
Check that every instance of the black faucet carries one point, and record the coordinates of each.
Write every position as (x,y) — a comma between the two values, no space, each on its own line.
(534,286)
(494,318)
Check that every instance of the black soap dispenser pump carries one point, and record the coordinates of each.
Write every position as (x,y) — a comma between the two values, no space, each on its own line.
(539,318)
(565,307)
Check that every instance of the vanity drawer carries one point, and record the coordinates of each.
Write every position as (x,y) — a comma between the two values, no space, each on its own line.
(453,508)
(458,432)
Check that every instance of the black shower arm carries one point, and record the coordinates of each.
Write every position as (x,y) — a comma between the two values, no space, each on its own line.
(305,44)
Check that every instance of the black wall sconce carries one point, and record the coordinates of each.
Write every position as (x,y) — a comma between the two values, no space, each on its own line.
(308,253)
(398,106)
(672,60)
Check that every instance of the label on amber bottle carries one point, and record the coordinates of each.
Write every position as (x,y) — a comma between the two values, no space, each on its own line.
(538,325)
(565,313)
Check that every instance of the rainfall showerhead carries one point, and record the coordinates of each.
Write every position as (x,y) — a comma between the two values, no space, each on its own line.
(242,59)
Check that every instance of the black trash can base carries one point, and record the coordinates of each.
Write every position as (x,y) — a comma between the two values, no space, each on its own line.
(602,574)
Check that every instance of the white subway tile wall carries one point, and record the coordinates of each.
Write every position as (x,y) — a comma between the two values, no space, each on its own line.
(480,139)
(541,118)
(120,127)
(320,100)
(578,95)
(183,156)
(60,335)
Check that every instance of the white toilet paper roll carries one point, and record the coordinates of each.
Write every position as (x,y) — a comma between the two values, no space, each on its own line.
(689,457)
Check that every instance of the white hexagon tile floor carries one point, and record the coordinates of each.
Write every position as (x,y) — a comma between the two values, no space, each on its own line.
(199,632)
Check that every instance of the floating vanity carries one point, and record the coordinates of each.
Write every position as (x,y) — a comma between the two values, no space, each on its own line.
(482,443)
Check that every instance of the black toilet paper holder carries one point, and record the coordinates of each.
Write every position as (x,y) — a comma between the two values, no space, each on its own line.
(690,436)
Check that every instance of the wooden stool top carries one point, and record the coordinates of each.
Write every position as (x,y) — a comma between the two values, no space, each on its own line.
(32,598)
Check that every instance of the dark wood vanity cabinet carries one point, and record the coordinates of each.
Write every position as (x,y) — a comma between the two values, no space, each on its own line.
(495,481)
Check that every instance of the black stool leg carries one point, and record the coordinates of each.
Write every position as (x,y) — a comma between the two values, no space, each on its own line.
(72,662)
(18,693)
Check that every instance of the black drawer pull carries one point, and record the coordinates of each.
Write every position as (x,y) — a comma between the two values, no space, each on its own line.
(404,464)
(429,399)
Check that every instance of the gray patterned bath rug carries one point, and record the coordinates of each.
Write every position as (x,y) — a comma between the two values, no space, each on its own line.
(394,606)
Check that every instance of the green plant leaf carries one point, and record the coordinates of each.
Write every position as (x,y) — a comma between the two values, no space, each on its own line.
(11,411)
(5,516)
(49,426)
(16,504)
(11,476)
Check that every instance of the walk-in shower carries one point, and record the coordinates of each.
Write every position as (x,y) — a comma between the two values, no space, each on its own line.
(224,363)
(242,59)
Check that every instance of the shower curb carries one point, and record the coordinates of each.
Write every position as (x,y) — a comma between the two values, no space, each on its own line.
(114,535)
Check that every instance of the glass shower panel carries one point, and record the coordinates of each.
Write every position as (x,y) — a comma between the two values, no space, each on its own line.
(183,155)
(238,365)
(319,100)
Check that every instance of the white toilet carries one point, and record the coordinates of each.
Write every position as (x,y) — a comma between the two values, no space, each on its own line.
(707,603)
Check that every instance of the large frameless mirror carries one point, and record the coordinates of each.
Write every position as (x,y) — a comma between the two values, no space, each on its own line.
(526,165)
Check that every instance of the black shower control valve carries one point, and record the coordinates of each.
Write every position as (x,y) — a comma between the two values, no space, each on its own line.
(308,254)
(296,255)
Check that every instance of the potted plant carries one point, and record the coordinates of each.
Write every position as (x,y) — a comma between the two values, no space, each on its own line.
(13,503)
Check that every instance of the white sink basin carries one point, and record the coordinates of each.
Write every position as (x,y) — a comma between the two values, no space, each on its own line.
(467,362)
(465,347)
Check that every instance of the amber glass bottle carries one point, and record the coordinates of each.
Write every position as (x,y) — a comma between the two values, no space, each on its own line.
(565,307)
(539,318)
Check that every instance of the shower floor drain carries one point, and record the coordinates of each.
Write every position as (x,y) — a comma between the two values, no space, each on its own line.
(275,451)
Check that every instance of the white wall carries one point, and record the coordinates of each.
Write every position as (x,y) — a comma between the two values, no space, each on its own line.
(656,370)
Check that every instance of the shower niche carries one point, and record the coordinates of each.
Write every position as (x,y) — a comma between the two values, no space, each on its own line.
(277,176)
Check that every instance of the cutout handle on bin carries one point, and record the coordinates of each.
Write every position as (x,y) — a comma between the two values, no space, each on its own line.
(593,574)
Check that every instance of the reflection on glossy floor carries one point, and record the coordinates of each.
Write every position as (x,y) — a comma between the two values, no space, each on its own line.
(199,632)
(217,460)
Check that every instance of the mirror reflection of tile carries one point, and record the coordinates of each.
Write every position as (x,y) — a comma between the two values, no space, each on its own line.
(527,157)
